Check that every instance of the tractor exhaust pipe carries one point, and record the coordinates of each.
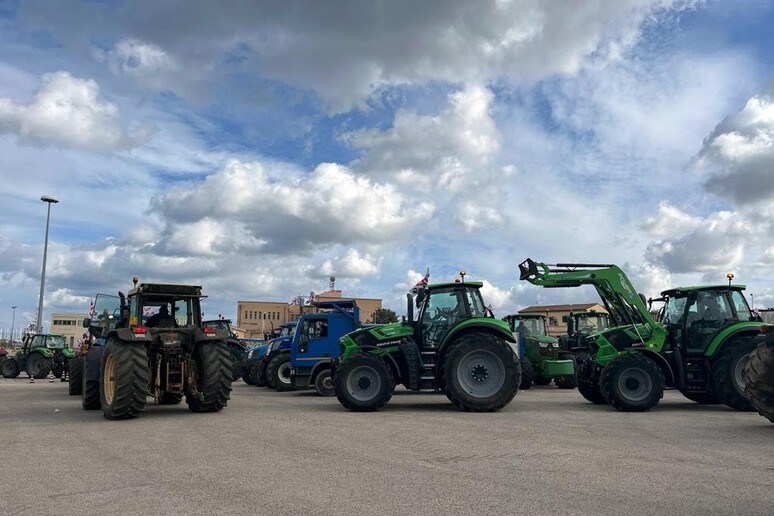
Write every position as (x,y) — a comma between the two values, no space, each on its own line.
(410,309)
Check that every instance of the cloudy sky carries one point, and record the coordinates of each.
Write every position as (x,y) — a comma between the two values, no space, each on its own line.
(256,148)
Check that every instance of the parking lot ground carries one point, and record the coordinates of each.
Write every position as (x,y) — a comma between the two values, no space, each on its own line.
(548,452)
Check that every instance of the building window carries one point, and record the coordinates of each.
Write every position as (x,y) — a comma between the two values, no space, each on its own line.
(246,312)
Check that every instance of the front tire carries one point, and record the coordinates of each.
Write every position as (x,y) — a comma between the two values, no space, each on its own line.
(212,377)
(123,379)
(363,383)
(632,383)
(480,373)
(278,373)
(527,374)
(323,383)
(90,398)
(75,376)
(727,379)
(566,381)
(759,379)
(10,368)
(38,366)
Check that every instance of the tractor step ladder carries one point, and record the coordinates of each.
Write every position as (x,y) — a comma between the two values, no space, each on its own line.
(429,368)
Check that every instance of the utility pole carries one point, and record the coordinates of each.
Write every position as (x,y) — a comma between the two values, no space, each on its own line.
(49,201)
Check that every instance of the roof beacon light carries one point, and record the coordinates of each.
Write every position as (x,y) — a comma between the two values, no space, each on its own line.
(730,277)
(462,276)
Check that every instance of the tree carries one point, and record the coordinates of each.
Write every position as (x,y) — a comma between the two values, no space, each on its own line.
(384,316)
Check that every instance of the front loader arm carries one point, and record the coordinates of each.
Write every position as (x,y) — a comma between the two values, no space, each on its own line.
(613,286)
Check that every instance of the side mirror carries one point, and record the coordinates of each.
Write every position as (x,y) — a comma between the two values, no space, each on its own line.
(86,322)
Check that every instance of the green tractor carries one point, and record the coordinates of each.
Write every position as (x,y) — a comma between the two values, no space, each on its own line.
(579,326)
(455,346)
(40,354)
(541,359)
(158,348)
(699,346)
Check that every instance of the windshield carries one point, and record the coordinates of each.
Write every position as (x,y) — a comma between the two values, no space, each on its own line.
(592,323)
(529,326)
(287,330)
(220,325)
(673,311)
(48,341)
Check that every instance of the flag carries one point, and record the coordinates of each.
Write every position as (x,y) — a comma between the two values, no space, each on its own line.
(423,282)
(91,310)
(296,300)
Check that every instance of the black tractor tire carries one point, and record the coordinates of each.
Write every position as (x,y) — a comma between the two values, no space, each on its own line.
(212,376)
(480,373)
(90,399)
(38,366)
(248,378)
(9,368)
(278,373)
(702,398)
(363,383)
(170,398)
(632,383)
(75,376)
(759,379)
(527,374)
(727,374)
(323,383)
(566,381)
(123,379)
(541,380)
(588,383)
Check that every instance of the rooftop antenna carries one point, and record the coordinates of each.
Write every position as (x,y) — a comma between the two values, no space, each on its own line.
(332,279)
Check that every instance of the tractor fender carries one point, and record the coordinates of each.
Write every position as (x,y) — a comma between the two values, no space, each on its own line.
(727,335)
(199,337)
(43,351)
(318,368)
(127,335)
(387,357)
(661,362)
(478,327)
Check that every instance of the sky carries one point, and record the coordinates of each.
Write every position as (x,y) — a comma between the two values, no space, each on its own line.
(258,148)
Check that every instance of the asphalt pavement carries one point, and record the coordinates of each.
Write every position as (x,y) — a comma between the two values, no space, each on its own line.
(548,452)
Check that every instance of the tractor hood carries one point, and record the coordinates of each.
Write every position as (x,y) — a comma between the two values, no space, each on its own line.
(381,335)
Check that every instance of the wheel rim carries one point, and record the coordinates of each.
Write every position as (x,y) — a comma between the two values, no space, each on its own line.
(635,384)
(109,379)
(326,382)
(739,371)
(364,383)
(283,373)
(481,373)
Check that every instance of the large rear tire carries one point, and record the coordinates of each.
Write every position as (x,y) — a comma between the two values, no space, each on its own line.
(323,383)
(75,376)
(480,373)
(727,377)
(9,368)
(632,383)
(212,378)
(278,373)
(38,366)
(90,399)
(123,379)
(527,374)
(759,379)
(363,383)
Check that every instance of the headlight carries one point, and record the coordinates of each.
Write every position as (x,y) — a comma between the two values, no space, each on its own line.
(543,344)
(250,354)
(269,348)
(554,345)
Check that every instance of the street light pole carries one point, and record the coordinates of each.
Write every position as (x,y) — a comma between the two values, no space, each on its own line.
(13,323)
(48,200)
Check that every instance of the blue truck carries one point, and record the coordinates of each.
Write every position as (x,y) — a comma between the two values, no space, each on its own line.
(316,343)
(265,362)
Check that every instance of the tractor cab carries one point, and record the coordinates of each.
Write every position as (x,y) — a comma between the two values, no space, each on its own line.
(105,316)
(443,306)
(52,342)
(694,316)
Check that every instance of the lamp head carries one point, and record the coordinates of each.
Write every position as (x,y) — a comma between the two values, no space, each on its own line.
(49,199)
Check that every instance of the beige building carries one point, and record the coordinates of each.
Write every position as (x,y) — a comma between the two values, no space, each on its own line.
(68,324)
(555,313)
(258,317)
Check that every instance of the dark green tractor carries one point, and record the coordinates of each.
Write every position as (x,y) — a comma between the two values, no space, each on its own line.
(455,346)
(40,354)
(541,359)
(580,325)
(699,345)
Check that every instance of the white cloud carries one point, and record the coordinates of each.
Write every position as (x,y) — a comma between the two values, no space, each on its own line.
(133,57)
(670,220)
(352,265)
(68,111)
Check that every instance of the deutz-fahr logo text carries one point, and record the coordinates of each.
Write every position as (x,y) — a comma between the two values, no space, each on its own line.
(387,343)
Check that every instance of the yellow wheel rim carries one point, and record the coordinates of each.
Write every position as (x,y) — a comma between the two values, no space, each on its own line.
(109,379)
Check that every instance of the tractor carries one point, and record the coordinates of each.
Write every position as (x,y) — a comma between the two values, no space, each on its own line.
(759,375)
(579,326)
(699,346)
(40,354)
(158,348)
(269,365)
(455,346)
(108,308)
(237,349)
(541,359)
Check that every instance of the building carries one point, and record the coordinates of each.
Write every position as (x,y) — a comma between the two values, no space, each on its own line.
(555,314)
(68,324)
(259,317)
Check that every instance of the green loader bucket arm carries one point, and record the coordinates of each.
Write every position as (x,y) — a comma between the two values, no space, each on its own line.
(615,289)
